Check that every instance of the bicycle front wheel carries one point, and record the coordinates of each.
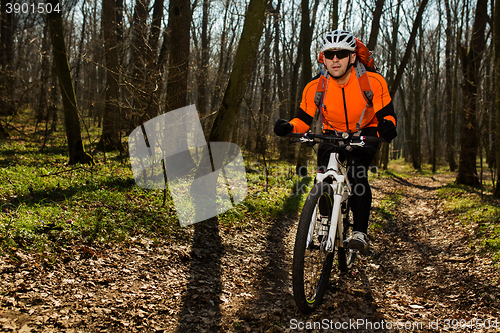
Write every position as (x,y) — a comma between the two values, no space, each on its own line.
(311,262)
(346,256)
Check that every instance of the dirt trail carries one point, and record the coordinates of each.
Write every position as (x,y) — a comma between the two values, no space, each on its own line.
(419,272)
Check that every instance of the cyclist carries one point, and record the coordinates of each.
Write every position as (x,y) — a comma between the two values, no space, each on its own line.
(343,105)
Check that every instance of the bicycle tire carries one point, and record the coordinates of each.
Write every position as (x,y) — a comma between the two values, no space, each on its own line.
(346,256)
(312,265)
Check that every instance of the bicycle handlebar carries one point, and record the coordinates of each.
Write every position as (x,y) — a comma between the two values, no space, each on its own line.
(345,137)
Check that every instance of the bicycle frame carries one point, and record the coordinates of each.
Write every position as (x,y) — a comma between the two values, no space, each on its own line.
(342,190)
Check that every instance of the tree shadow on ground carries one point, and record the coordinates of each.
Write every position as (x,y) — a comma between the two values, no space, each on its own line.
(202,297)
(349,304)
(406,182)
(271,294)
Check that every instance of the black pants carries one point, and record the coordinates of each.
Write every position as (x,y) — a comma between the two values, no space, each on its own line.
(357,171)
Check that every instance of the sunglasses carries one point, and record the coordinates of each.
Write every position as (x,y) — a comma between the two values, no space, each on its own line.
(340,54)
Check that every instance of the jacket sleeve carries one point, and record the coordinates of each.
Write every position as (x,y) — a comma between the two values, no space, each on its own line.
(382,101)
(305,114)
(387,112)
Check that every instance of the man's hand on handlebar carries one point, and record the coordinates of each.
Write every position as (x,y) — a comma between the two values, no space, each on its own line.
(387,130)
(282,127)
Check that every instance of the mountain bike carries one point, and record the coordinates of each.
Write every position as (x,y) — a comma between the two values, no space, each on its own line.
(325,224)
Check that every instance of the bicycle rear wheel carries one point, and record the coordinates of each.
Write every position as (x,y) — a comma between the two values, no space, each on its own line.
(312,264)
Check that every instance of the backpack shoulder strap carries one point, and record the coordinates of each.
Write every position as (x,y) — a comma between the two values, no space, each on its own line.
(319,98)
(320,91)
(366,89)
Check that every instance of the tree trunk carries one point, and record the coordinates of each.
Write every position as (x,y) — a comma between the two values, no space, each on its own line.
(6,61)
(496,41)
(154,35)
(44,81)
(80,48)
(283,145)
(381,158)
(179,25)
(471,60)
(377,14)
(53,101)
(416,138)
(77,153)
(202,100)
(335,14)
(407,112)
(154,74)
(110,138)
(266,97)
(244,62)
(220,76)
(305,35)
(448,91)
(436,107)
(139,91)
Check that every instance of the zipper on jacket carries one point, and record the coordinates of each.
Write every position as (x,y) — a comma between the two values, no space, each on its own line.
(345,111)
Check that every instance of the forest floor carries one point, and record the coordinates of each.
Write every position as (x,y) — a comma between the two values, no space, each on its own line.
(420,274)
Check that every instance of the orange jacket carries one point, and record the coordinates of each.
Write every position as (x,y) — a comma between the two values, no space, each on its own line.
(345,104)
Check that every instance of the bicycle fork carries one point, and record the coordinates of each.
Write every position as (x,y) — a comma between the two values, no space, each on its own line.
(334,219)
(335,225)
(338,190)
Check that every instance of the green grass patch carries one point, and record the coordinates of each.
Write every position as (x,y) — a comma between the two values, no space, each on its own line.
(283,195)
(482,213)
(46,204)
(385,213)
(401,169)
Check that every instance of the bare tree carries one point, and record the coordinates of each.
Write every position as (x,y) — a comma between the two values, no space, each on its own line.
(77,153)
(448,90)
(139,55)
(110,138)
(246,54)
(436,46)
(6,61)
(44,81)
(179,26)
(80,47)
(335,14)
(203,65)
(153,72)
(223,61)
(471,60)
(496,37)
(306,37)
(377,14)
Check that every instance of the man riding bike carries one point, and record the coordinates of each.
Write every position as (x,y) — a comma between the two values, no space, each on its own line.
(344,109)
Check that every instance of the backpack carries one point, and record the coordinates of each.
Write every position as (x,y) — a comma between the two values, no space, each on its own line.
(364,58)
(364,55)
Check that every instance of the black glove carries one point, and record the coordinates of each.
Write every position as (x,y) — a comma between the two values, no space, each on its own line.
(387,130)
(282,127)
